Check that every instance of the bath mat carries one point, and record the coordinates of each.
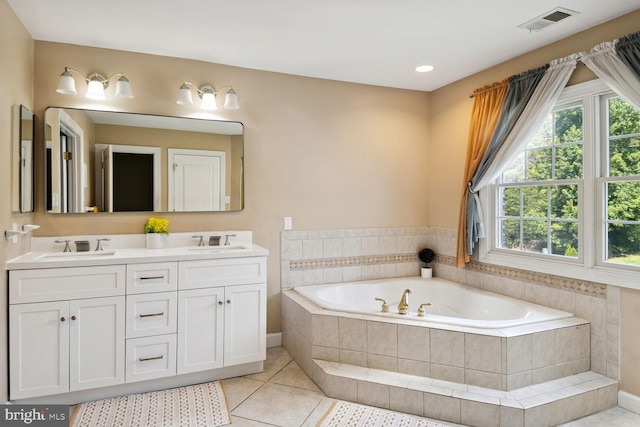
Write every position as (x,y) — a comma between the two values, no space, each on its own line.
(343,414)
(201,405)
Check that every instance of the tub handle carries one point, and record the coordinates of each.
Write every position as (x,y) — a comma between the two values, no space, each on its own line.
(421,309)
(385,306)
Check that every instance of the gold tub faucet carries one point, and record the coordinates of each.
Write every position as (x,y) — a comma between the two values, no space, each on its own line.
(404,302)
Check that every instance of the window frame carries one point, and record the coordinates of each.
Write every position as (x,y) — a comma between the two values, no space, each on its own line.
(589,265)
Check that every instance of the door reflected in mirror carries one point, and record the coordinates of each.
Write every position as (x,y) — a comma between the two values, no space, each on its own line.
(99,161)
(22,187)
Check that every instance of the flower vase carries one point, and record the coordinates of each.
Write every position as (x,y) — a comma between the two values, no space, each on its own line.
(155,240)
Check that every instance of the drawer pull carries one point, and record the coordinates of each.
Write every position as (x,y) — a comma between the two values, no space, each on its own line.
(146,359)
(152,314)
(152,278)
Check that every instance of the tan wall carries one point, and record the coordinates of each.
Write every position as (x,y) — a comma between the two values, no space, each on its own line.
(16,77)
(329,154)
(449,112)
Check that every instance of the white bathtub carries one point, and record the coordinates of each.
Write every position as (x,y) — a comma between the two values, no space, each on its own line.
(452,303)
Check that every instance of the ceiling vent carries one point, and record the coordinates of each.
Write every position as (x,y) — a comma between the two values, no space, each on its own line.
(548,18)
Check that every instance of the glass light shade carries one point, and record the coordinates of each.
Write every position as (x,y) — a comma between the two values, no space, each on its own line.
(66,84)
(123,88)
(184,96)
(231,100)
(209,100)
(95,89)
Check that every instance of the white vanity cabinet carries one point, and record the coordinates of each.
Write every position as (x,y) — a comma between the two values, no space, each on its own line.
(221,326)
(175,321)
(66,345)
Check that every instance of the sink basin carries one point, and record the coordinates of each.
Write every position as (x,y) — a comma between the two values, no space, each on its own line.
(220,249)
(51,255)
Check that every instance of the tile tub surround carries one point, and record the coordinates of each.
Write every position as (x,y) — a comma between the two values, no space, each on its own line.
(499,359)
(340,255)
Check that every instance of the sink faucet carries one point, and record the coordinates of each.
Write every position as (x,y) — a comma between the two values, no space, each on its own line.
(404,302)
(67,248)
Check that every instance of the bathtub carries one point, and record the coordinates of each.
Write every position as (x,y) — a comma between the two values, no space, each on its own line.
(452,303)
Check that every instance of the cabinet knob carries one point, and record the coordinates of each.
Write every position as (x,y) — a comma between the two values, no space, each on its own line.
(73,317)
(228,301)
(220,303)
(62,319)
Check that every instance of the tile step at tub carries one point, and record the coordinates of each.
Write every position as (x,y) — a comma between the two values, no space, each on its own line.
(545,404)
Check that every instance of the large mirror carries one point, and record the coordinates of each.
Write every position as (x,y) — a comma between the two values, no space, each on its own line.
(101,161)
(22,147)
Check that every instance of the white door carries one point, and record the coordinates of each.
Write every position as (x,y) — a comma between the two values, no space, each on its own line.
(197,181)
(200,329)
(38,349)
(97,342)
(245,322)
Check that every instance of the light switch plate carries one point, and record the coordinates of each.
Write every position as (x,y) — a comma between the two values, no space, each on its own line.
(288,223)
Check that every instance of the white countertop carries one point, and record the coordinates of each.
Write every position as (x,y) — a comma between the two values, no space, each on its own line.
(129,249)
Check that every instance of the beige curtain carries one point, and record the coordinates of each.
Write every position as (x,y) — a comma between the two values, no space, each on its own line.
(487,104)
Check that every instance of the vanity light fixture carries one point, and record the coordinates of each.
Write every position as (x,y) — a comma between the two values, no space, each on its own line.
(96,84)
(208,95)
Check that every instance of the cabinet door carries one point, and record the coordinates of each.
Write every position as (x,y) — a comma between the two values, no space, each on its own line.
(39,349)
(200,329)
(245,321)
(96,345)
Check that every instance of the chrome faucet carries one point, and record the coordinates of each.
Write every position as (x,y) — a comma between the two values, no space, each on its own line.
(404,302)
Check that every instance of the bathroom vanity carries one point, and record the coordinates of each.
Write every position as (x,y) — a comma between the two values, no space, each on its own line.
(84,325)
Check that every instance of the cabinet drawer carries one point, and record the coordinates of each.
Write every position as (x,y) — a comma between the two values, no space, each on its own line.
(57,284)
(151,357)
(152,277)
(222,272)
(151,314)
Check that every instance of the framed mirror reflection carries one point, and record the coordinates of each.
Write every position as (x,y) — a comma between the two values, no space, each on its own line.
(101,161)
(22,160)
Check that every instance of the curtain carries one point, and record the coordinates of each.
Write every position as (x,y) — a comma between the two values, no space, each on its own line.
(534,114)
(487,104)
(608,66)
(628,49)
(521,88)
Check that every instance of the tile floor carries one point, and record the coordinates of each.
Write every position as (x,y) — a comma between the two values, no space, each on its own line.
(283,395)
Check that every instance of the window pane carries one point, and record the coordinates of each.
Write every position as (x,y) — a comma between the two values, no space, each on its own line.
(569,162)
(624,119)
(539,163)
(564,201)
(623,201)
(624,156)
(623,243)
(564,239)
(510,201)
(515,172)
(510,234)
(569,125)
(534,236)
(544,136)
(534,202)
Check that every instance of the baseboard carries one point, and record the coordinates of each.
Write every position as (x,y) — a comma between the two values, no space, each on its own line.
(629,401)
(274,340)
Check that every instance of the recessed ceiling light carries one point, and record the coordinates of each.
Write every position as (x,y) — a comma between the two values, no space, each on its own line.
(424,68)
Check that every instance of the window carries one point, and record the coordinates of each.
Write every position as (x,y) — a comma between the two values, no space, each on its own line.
(621,180)
(569,203)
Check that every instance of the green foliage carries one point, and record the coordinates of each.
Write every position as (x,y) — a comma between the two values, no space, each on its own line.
(571,251)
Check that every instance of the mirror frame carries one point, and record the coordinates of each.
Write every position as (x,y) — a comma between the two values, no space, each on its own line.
(23,171)
(190,124)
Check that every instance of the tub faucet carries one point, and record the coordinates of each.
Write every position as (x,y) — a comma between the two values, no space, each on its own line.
(404,302)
